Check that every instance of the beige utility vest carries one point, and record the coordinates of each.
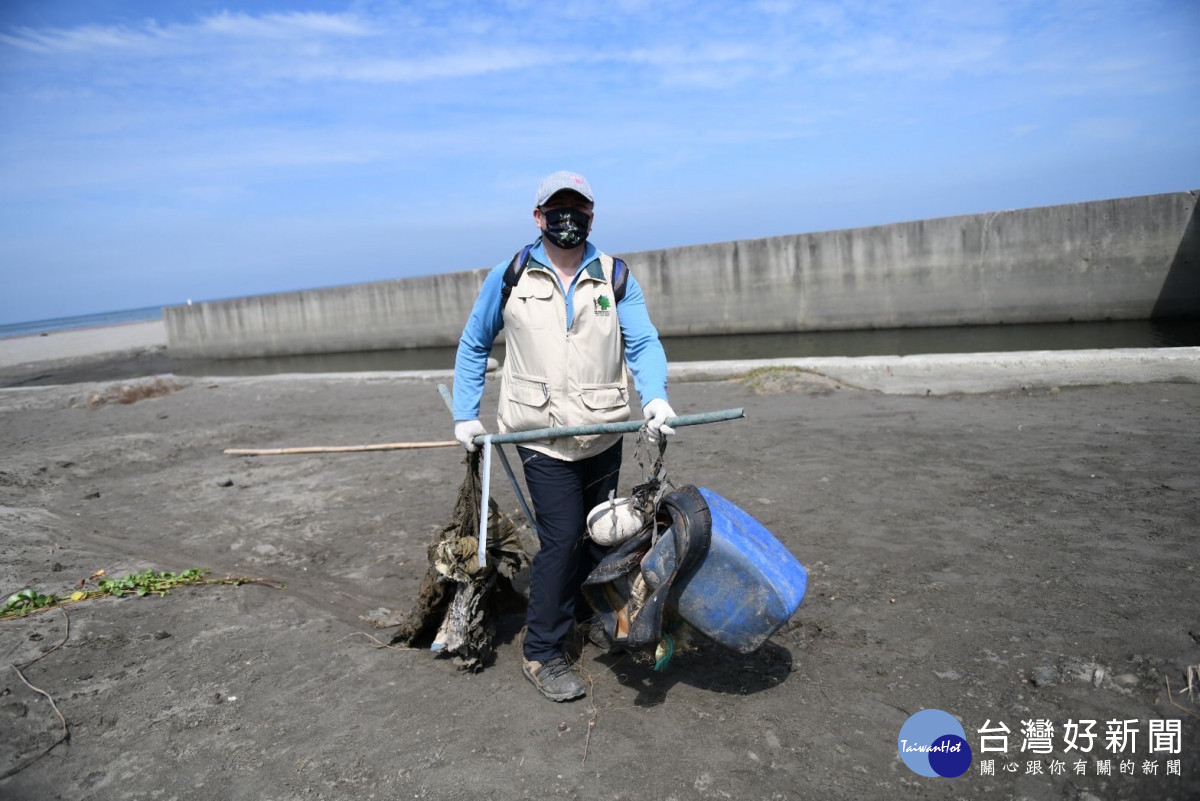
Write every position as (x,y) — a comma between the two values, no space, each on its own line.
(558,377)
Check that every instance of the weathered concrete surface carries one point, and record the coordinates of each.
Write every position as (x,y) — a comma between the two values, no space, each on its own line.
(1089,261)
(1129,258)
(409,313)
(967,373)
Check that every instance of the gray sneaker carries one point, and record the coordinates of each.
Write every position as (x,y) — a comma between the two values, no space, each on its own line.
(554,678)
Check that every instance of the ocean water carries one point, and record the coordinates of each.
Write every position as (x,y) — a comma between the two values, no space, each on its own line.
(144,314)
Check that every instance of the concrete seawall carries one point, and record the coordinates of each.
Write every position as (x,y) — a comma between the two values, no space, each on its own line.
(1124,259)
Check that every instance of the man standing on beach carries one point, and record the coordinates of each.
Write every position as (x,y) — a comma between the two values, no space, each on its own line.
(574,318)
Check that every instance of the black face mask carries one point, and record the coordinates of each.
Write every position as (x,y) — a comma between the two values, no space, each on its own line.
(567,228)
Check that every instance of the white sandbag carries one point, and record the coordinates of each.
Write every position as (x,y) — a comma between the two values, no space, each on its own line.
(614,521)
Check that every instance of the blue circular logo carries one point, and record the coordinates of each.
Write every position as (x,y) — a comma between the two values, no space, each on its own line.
(932,743)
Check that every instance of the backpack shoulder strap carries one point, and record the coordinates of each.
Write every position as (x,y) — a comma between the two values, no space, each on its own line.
(513,274)
(620,275)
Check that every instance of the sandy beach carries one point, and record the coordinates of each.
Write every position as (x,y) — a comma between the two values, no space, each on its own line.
(83,343)
(1021,550)
(127,350)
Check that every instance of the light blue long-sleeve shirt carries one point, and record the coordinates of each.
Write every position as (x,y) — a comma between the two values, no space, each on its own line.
(643,352)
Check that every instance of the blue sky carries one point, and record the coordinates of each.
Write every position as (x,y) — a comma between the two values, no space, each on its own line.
(152,152)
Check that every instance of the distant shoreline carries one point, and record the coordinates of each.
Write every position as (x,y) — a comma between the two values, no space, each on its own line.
(83,343)
(80,321)
(130,350)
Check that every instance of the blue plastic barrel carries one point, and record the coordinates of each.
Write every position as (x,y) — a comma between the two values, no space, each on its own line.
(747,585)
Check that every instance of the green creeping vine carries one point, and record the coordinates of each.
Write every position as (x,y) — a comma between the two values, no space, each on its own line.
(29,600)
(148,581)
(26,601)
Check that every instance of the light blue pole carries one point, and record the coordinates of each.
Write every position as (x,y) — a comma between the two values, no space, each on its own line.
(449,401)
(486,441)
(609,428)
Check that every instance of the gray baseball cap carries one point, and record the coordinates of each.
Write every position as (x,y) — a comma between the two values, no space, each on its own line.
(559,181)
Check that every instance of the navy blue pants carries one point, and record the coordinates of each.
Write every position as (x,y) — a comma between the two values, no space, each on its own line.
(563,493)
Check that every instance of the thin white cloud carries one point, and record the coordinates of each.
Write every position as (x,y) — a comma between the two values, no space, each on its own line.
(284,26)
(887,54)
(401,70)
(150,36)
(700,53)
(218,90)
(703,52)
(84,39)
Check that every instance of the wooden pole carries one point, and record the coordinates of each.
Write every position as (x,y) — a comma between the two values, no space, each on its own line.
(382,446)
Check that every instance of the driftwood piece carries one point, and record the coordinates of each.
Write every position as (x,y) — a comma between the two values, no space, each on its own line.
(379,446)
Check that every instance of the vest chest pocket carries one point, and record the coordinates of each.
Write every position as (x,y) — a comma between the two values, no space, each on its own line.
(529,306)
(595,306)
(606,403)
(525,403)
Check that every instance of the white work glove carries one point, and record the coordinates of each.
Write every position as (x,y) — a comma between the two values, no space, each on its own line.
(657,411)
(467,430)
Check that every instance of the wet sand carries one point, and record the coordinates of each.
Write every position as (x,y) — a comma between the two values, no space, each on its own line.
(1007,555)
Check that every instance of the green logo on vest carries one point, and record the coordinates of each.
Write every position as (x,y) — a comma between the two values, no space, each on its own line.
(603,304)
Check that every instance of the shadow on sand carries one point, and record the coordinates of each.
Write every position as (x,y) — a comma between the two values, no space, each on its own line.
(706,666)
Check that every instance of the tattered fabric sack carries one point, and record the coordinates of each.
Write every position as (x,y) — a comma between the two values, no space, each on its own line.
(458,602)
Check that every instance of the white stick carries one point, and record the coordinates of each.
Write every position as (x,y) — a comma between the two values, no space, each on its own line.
(382,446)
(483,503)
